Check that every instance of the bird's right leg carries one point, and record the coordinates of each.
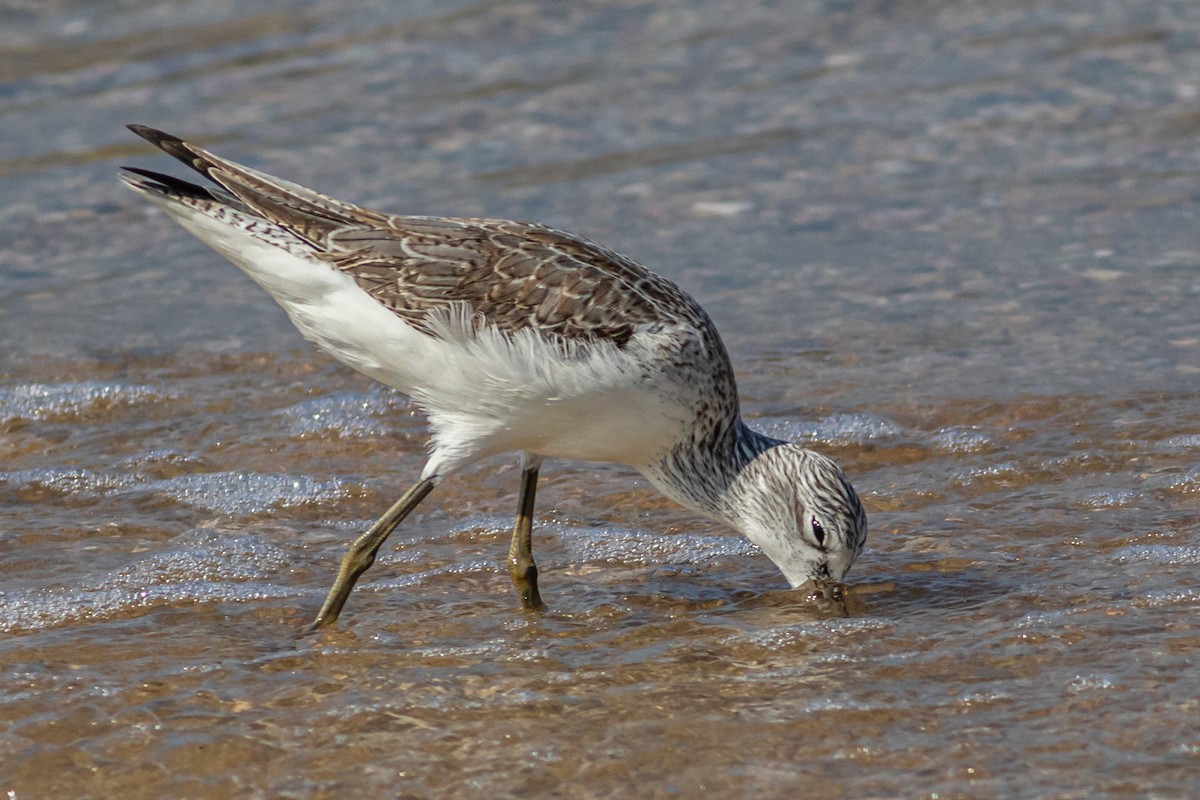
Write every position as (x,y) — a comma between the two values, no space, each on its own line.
(362,553)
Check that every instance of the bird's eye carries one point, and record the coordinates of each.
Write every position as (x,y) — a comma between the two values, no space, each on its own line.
(818,531)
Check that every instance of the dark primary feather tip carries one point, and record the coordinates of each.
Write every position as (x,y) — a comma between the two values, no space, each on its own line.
(145,173)
(158,179)
(171,145)
(152,135)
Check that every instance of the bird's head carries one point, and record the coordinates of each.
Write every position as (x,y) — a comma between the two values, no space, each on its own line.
(801,510)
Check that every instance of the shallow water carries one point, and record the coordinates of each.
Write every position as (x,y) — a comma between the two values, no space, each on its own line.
(953,247)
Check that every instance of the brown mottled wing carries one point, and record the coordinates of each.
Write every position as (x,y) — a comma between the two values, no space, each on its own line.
(511,275)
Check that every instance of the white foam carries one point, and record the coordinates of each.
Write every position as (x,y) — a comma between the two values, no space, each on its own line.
(229,492)
(1164,554)
(1170,597)
(836,428)
(237,492)
(820,630)
(1111,498)
(349,414)
(202,565)
(1187,441)
(961,439)
(1091,682)
(620,545)
(42,400)
(72,481)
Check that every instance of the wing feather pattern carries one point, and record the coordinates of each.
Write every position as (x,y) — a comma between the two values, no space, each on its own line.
(511,275)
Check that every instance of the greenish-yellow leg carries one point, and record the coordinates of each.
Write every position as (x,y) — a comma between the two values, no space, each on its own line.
(520,552)
(362,553)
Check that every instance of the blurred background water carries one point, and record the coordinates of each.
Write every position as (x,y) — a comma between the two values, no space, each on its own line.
(953,245)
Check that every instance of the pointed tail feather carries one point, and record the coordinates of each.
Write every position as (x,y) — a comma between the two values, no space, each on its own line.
(303,212)
(177,148)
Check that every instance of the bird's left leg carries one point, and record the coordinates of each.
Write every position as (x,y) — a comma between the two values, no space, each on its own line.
(362,553)
(521,568)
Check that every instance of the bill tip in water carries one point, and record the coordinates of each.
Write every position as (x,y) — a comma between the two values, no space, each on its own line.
(823,591)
